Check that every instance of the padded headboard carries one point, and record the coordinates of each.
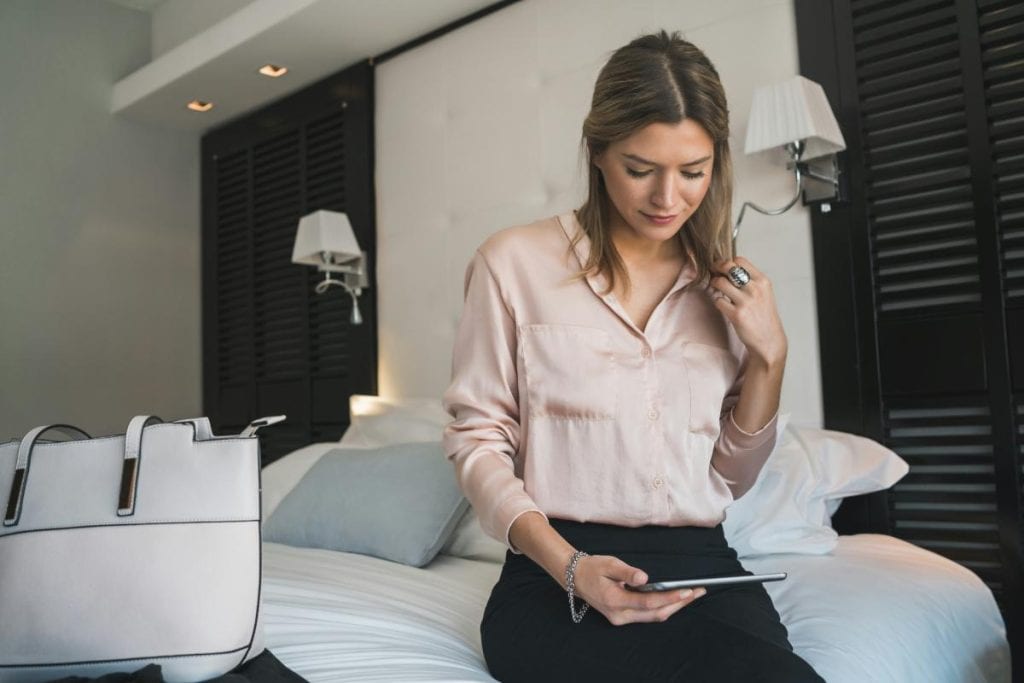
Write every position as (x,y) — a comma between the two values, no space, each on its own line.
(480,129)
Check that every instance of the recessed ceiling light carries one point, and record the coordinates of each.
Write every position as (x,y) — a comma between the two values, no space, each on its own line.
(273,70)
(199,105)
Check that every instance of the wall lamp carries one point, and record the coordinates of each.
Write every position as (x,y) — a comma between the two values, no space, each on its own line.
(795,117)
(325,239)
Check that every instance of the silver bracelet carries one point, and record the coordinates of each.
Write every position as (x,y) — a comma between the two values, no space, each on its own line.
(570,587)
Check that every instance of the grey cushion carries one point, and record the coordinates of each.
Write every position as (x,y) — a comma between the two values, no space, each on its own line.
(398,502)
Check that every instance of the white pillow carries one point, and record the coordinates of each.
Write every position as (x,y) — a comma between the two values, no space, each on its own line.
(469,541)
(380,421)
(788,510)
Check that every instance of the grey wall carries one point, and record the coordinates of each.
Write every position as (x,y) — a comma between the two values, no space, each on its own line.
(99,229)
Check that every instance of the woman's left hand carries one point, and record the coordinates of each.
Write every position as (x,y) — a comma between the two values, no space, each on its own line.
(751,310)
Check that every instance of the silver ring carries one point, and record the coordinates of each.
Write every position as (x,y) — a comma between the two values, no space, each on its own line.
(739,276)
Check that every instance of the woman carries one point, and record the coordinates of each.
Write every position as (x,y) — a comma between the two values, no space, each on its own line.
(616,382)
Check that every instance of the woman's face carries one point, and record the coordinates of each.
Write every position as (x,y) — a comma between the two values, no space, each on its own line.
(657,177)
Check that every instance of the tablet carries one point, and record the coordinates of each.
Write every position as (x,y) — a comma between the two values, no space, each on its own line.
(709,581)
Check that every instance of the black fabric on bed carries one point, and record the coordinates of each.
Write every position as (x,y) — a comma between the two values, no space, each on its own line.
(263,668)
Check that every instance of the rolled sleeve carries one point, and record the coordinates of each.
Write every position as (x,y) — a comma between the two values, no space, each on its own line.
(482,441)
(734,439)
(739,455)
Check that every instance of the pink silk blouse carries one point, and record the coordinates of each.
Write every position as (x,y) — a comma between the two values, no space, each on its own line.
(562,405)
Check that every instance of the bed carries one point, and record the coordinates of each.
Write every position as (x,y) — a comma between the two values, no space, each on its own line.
(858,608)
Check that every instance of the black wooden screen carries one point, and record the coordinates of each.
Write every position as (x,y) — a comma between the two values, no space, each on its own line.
(270,344)
(922,321)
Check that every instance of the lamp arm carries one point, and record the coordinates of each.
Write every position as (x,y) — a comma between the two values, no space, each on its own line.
(326,283)
(771,212)
(353,292)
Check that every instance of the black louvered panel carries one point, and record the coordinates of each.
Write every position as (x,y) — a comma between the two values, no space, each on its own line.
(327,432)
(1001,24)
(271,345)
(325,163)
(234,325)
(330,330)
(1020,457)
(947,502)
(918,185)
(279,286)
(929,266)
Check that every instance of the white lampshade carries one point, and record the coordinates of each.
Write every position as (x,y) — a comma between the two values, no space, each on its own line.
(794,110)
(326,231)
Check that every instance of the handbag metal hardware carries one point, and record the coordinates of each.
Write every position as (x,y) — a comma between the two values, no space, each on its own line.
(21,467)
(261,423)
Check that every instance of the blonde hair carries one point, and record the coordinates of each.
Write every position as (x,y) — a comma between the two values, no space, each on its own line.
(658,78)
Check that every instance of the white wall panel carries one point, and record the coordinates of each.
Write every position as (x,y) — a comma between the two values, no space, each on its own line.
(479,130)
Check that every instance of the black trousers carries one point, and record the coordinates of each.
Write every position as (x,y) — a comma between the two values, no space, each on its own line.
(731,634)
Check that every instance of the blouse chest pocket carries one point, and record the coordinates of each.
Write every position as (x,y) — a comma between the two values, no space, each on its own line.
(570,372)
(711,372)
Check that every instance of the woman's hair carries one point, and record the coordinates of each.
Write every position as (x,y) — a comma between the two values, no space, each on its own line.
(658,78)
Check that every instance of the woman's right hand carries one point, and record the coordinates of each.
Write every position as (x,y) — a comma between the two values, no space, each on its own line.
(601,581)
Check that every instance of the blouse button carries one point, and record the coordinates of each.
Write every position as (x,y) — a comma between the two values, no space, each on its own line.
(652,414)
(645,352)
(658,482)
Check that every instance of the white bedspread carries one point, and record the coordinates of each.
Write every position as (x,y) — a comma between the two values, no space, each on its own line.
(882,609)
(333,616)
(878,609)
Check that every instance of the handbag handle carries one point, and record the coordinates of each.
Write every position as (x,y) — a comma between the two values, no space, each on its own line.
(200,426)
(133,452)
(129,467)
(13,513)
(130,464)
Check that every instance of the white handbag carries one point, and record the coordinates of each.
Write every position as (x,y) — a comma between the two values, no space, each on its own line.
(122,551)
